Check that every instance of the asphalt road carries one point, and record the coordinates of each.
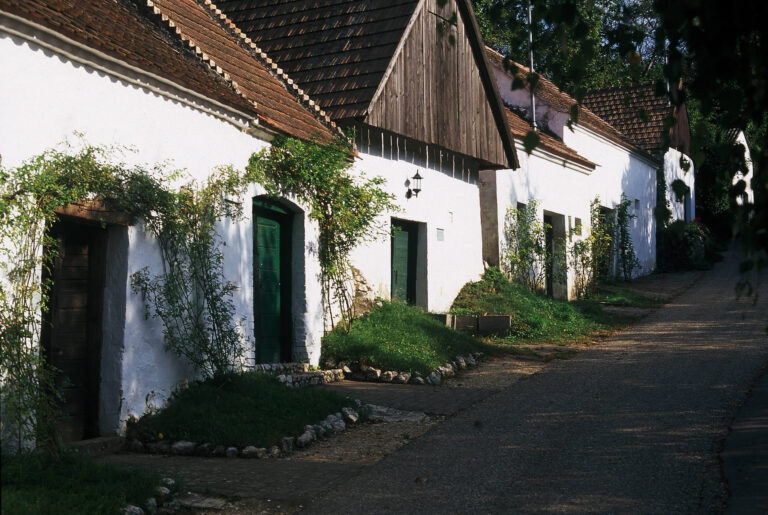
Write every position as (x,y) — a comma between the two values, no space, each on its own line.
(633,425)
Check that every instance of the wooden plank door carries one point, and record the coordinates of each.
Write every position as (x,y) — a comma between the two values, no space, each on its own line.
(72,340)
(272,281)
(404,242)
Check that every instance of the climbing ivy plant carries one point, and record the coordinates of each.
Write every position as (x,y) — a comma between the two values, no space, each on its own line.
(346,209)
(661,212)
(589,256)
(624,248)
(680,189)
(191,296)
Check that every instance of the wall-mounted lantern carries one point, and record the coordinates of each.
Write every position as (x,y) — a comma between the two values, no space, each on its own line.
(415,186)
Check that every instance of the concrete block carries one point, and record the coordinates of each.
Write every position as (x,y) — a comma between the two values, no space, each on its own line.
(493,324)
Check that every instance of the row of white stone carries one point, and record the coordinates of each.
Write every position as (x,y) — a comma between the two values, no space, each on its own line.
(435,377)
(333,423)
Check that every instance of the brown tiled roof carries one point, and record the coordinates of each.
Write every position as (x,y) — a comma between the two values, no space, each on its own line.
(550,94)
(204,28)
(519,128)
(624,107)
(166,38)
(337,50)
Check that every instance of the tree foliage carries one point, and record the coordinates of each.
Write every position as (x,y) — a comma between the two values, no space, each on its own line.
(577,44)
(718,49)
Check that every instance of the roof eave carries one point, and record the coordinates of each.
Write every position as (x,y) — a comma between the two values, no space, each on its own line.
(491,89)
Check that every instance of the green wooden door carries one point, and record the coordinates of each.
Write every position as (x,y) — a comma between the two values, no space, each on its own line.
(404,241)
(272,280)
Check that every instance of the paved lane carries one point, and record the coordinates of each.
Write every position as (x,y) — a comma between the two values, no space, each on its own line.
(631,426)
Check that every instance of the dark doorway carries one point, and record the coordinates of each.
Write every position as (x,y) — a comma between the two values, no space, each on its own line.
(72,337)
(608,266)
(272,225)
(404,248)
(549,242)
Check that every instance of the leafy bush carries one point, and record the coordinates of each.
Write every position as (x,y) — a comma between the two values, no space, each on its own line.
(396,336)
(685,246)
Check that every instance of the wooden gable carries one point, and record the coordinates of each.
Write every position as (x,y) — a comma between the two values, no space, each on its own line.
(438,88)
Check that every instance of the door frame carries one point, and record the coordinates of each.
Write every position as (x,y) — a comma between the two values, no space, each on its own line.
(266,207)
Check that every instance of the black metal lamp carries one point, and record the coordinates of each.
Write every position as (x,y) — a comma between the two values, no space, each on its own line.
(415,185)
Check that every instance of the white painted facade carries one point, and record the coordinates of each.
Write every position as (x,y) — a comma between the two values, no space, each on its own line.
(566,188)
(449,238)
(683,208)
(749,193)
(51,88)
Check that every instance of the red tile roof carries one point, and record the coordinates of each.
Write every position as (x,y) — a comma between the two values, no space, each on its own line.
(636,111)
(519,128)
(550,94)
(166,38)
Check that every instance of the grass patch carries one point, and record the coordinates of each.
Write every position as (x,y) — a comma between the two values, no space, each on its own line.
(537,319)
(395,336)
(74,484)
(618,295)
(238,410)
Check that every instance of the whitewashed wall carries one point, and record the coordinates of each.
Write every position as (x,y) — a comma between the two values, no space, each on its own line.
(673,171)
(622,171)
(44,97)
(445,202)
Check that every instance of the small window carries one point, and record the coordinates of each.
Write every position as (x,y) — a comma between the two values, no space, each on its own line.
(637,204)
(440,234)
(577,227)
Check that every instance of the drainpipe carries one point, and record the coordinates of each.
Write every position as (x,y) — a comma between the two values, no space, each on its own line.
(530,55)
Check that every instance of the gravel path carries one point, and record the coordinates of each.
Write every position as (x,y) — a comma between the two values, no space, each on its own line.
(632,425)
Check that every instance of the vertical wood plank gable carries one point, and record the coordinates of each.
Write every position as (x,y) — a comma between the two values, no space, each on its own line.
(435,92)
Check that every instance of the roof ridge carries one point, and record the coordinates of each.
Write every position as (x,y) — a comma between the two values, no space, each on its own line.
(272,67)
(200,53)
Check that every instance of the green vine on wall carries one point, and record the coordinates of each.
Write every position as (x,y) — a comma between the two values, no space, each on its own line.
(182,296)
(346,209)
(624,248)
(661,212)
(191,296)
(680,189)
(526,259)
(588,257)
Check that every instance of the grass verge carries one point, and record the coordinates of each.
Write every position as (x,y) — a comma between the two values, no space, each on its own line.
(396,336)
(74,484)
(238,410)
(537,319)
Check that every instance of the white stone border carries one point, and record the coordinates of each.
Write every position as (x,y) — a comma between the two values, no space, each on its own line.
(434,378)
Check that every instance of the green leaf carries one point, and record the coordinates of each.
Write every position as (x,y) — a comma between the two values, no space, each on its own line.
(531,141)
